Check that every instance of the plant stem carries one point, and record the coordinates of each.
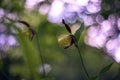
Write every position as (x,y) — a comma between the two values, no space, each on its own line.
(82,63)
(42,61)
(81,59)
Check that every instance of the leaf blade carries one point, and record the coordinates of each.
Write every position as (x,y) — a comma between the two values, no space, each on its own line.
(30,55)
(106,68)
(78,32)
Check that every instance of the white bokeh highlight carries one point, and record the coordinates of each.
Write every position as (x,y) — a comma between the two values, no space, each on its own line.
(45,67)
(56,12)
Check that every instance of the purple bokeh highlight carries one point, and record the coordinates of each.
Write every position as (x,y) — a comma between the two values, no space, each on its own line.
(105,34)
(71,12)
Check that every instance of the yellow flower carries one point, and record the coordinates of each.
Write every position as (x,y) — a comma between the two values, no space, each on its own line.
(65,40)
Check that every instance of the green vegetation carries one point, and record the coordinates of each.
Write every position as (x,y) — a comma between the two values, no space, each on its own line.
(23,62)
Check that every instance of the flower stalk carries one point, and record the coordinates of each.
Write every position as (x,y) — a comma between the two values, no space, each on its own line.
(80,56)
(74,40)
(42,60)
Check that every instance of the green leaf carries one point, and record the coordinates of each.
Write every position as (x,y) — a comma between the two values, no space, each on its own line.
(93,78)
(106,68)
(78,32)
(30,55)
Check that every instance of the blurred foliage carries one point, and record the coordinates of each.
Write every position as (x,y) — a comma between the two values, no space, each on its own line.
(22,62)
(12,5)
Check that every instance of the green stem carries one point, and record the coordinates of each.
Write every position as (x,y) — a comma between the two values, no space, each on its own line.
(42,61)
(81,59)
(82,63)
